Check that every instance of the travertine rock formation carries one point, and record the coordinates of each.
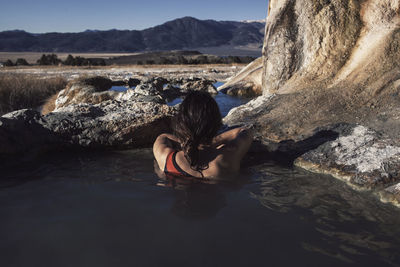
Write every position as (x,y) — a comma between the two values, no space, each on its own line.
(327,63)
(92,90)
(336,42)
(247,82)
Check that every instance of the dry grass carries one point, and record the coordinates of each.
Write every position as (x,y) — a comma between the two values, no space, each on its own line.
(26,91)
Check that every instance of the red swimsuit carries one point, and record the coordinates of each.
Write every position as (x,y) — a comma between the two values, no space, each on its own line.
(172,168)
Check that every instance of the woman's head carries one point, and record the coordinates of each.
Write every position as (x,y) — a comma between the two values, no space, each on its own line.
(197,122)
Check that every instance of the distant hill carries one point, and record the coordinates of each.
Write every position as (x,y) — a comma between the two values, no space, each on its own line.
(183,33)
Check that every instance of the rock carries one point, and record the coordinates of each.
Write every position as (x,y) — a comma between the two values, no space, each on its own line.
(87,90)
(132,82)
(139,96)
(359,156)
(146,92)
(110,124)
(323,69)
(146,89)
(306,40)
(243,90)
(91,91)
(391,194)
(159,83)
(21,132)
(155,82)
(82,93)
(171,92)
(200,85)
(248,112)
(99,83)
(183,80)
(247,82)
(118,83)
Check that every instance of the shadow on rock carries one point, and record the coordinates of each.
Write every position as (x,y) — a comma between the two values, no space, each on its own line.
(285,152)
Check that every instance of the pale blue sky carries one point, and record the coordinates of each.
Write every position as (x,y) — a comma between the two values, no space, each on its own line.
(40,16)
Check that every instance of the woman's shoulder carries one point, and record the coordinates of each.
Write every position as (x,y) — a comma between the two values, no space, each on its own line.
(162,147)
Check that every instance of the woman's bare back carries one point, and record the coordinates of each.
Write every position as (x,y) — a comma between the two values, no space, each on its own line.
(222,156)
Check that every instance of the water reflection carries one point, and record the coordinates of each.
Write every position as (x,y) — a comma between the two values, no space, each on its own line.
(350,225)
(89,167)
(198,202)
(197,198)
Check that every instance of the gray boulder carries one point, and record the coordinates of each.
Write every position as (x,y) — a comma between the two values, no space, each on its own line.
(110,124)
(359,156)
(200,85)
(22,131)
(171,92)
(155,82)
(145,93)
(132,82)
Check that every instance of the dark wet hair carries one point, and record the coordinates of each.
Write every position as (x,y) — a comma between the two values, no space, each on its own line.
(197,122)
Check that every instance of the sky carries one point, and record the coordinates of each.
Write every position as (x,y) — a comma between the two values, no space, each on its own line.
(39,16)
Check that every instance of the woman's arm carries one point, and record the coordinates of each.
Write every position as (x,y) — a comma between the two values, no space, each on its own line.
(235,144)
(164,144)
(240,133)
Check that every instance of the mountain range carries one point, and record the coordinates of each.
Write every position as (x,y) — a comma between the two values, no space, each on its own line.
(182,33)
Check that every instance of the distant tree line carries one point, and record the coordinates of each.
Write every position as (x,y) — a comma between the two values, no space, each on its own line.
(70,61)
(180,60)
(203,59)
(48,60)
(81,61)
(52,59)
(18,62)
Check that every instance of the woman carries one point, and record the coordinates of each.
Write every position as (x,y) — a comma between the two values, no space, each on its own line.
(195,149)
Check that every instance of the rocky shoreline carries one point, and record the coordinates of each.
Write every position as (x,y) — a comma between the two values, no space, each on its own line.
(362,157)
(88,114)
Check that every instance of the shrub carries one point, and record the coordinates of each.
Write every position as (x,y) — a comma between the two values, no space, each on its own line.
(69,61)
(8,63)
(21,62)
(81,61)
(26,91)
(182,60)
(49,60)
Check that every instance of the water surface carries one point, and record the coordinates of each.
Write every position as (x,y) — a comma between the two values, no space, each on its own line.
(102,209)
(111,209)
